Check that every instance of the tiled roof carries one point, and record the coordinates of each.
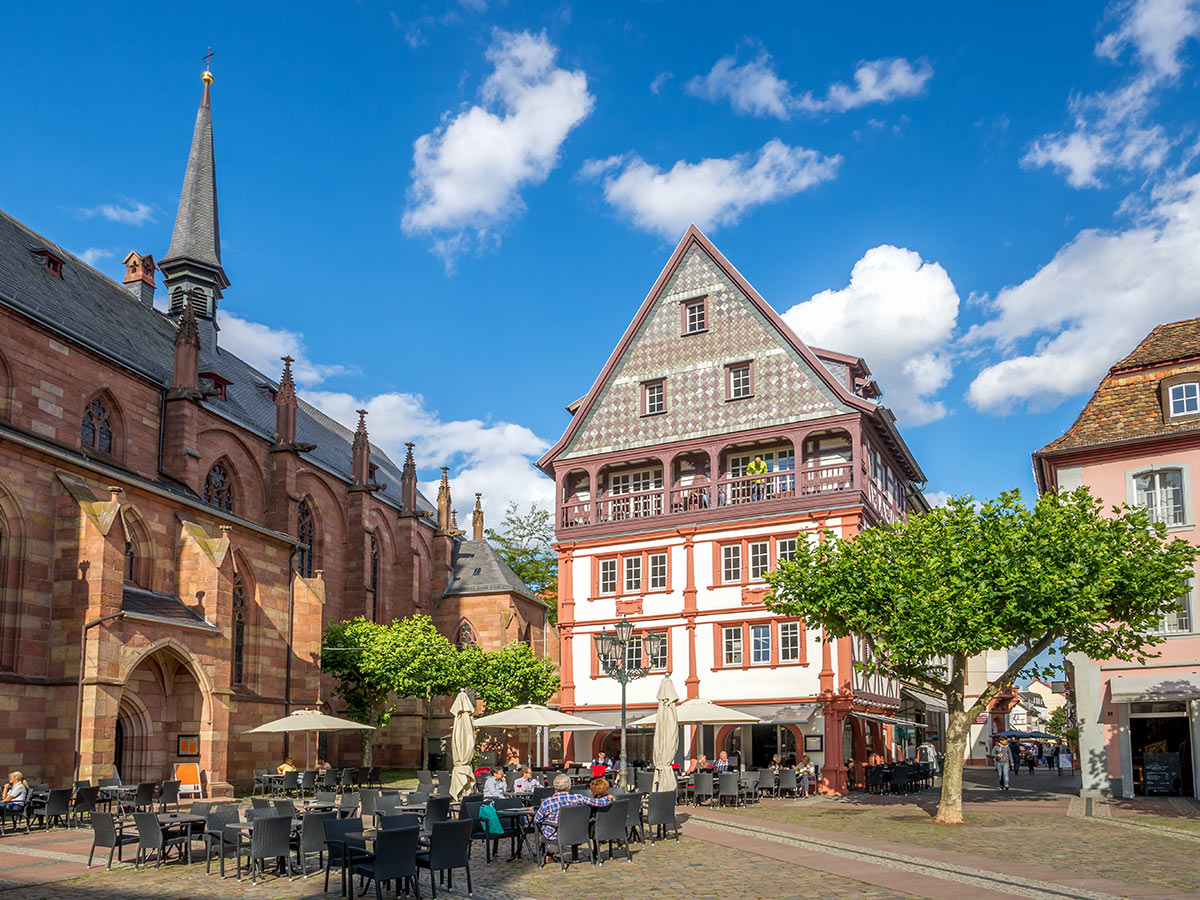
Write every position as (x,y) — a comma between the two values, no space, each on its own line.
(157,605)
(478,569)
(1127,405)
(91,309)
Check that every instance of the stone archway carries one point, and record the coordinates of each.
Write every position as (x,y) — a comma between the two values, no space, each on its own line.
(162,699)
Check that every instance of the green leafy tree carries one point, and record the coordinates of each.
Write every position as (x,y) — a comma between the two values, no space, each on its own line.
(524,543)
(1059,723)
(965,578)
(426,666)
(507,677)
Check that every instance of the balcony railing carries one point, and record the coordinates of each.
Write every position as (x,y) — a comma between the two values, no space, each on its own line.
(744,489)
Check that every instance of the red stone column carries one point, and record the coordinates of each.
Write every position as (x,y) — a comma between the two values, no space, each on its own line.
(692,683)
(566,628)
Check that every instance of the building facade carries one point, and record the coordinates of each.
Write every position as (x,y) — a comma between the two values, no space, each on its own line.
(1135,442)
(710,444)
(177,528)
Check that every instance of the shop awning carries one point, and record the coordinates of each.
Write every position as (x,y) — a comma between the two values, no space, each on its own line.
(1149,688)
(774,714)
(888,720)
(931,702)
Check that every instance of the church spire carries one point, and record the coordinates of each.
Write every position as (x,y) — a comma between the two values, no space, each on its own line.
(286,405)
(477,519)
(193,262)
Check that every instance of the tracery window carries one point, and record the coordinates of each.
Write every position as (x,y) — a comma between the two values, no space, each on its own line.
(218,488)
(374,579)
(239,628)
(305,530)
(95,431)
(465,636)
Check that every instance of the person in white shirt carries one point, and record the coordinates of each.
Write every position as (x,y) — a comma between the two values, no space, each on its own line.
(495,786)
(525,784)
(16,793)
(323,765)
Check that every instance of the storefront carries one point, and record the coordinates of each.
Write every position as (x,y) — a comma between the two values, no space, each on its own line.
(1157,730)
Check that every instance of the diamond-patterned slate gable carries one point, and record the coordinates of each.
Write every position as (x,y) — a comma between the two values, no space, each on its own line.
(785,389)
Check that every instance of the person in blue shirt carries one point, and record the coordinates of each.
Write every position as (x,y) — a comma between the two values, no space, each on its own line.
(547,814)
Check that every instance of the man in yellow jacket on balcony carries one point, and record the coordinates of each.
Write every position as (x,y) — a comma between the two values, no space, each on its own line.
(758,486)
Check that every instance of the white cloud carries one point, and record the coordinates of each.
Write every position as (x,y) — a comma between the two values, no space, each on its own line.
(468,172)
(1111,130)
(710,193)
(899,314)
(262,346)
(1089,306)
(754,89)
(134,212)
(93,255)
(493,458)
(660,80)
(937,498)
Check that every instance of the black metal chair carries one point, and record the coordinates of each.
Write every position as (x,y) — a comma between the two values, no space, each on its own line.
(610,828)
(142,800)
(437,809)
(540,794)
(217,838)
(271,839)
(308,782)
(152,838)
(766,783)
(368,799)
(388,804)
(347,805)
(443,782)
(662,814)
(347,781)
(106,835)
(168,795)
(327,796)
(55,808)
(787,783)
(327,781)
(289,785)
(702,788)
(644,780)
(337,844)
(84,804)
(398,820)
(311,839)
(425,781)
(573,831)
(394,859)
(449,849)
(261,803)
(729,788)
(469,809)
(262,781)
(285,807)
(375,776)
(634,825)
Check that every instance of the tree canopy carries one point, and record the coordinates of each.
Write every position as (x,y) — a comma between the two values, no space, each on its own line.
(931,592)
(524,542)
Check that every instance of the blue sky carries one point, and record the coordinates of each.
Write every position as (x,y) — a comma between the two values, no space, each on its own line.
(450,211)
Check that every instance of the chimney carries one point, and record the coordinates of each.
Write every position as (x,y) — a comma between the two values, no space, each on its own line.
(285,406)
(360,465)
(139,276)
(477,520)
(443,502)
(408,482)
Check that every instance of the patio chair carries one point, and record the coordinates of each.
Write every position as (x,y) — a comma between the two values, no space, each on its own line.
(368,800)
(510,780)
(729,788)
(766,783)
(399,820)
(787,783)
(84,804)
(437,809)
(394,859)
(106,836)
(610,828)
(362,777)
(326,796)
(874,779)
(271,839)
(661,814)
(425,781)
(16,816)
(469,809)
(900,783)
(55,808)
(152,838)
(308,782)
(540,794)
(168,795)
(573,831)
(748,786)
(289,785)
(285,807)
(143,799)
(644,780)
(443,782)
(388,805)
(347,805)
(261,803)
(375,776)
(217,839)
(311,839)
(80,784)
(327,781)
(633,817)
(262,781)
(337,843)
(449,849)
(702,788)
(347,780)
(262,812)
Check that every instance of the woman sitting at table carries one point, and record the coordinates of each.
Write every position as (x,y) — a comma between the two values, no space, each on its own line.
(776,763)
(808,775)
(16,793)
(525,784)
(495,786)
(599,787)
(286,766)
(323,764)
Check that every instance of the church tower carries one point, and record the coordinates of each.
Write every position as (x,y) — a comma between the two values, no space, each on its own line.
(192,265)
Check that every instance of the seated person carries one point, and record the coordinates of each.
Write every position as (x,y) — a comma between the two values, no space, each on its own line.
(599,788)
(776,763)
(16,793)
(723,764)
(602,760)
(495,786)
(525,784)
(547,814)
(323,765)
(286,766)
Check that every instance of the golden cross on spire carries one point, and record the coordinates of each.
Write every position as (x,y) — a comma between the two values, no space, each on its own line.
(209,55)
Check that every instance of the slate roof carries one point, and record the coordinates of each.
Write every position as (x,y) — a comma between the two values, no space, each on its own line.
(197,233)
(157,605)
(1127,405)
(476,568)
(90,309)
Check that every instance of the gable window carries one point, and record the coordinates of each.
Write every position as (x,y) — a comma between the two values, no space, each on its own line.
(760,644)
(759,558)
(653,398)
(731,563)
(695,315)
(95,431)
(1160,493)
(633,574)
(658,571)
(218,488)
(239,628)
(658,662)
(1185,399)
(608,576)
(305,533)
(789,642)
(739,381)
(732,640)
(785,549)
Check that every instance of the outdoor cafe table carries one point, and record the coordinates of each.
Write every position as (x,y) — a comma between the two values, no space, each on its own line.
(522,827)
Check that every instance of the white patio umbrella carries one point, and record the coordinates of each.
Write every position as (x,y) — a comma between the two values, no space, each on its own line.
(666,736)
(532,715)
(308,720)
(462,746)
(703,712)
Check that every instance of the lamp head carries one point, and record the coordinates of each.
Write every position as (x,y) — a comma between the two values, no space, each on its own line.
(624,630)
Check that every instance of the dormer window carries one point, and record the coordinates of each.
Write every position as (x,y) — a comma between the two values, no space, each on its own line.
(214,384)
(694,316)
(51,263)
(1185,398)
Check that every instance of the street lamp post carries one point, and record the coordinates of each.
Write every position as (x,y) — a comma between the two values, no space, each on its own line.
(613,651)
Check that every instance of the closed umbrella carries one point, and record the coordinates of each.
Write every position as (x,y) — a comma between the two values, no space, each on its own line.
(666,736)
(462,746)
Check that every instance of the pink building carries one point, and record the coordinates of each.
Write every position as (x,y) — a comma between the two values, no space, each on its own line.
(1136,442)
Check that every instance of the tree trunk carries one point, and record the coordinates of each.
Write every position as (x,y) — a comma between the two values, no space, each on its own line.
(424,764)
(958,732)
(368,741)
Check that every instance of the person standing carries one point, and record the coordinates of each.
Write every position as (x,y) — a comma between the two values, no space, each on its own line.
(759,486)
(1001,759)
(1014,756)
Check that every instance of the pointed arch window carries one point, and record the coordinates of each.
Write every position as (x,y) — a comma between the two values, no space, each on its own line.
(131,560)
(239,628)
(374,579)
(305,530)
(465,636)
(95,431)
(218,488)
